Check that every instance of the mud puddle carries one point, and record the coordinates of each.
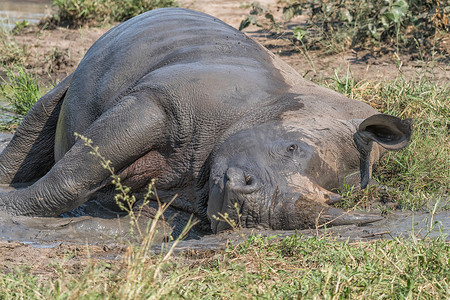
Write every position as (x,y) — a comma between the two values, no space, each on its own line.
(51,232)
(4,140)
(12,12)
(6,117)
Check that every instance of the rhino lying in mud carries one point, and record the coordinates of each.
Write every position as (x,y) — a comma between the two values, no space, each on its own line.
(180,96)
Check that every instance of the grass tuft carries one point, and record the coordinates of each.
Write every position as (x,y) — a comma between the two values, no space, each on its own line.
(21,90)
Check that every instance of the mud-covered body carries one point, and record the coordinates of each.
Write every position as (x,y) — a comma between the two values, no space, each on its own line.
(172,94)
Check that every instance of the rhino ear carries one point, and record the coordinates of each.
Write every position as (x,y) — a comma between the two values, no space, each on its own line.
(390,132)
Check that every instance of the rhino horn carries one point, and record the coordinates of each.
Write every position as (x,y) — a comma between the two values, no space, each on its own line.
(335,216)
(312,213)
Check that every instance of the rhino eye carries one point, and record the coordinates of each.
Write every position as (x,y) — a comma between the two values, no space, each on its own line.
(292,148)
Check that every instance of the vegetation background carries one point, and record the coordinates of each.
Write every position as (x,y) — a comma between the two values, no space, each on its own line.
(391,54)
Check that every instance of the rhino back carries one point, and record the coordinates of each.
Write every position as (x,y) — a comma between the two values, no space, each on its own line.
(168,50)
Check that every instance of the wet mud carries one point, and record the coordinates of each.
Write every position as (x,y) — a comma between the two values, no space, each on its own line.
(48,232)
(4,140)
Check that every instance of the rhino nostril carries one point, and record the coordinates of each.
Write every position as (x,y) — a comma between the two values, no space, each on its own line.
(239,181)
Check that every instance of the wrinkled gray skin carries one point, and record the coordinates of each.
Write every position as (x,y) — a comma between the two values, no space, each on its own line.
(180,96)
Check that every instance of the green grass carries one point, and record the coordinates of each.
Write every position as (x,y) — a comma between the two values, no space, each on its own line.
(17,85)
(264,268)
(320,267)
(20,89)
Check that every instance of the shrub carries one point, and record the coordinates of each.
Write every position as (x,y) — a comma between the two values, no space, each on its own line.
(350,23)
(75,13)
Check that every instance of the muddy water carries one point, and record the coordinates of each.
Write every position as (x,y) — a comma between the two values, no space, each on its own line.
(6,115)
(4,140)
(16,11)
(47,232)
(44,232)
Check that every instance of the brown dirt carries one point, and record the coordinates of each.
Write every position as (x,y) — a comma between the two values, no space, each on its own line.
(55,53)
(45,262)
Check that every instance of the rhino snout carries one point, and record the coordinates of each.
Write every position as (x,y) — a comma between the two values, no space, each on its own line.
(239,181)
(234,194)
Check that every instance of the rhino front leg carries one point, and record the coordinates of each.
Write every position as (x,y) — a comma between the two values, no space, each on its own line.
(123,134)
(29,155)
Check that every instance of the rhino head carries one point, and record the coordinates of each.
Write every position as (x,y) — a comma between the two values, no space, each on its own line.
(280,174)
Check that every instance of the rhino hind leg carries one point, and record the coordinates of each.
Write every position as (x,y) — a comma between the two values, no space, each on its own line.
(29,155)
(78,174)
